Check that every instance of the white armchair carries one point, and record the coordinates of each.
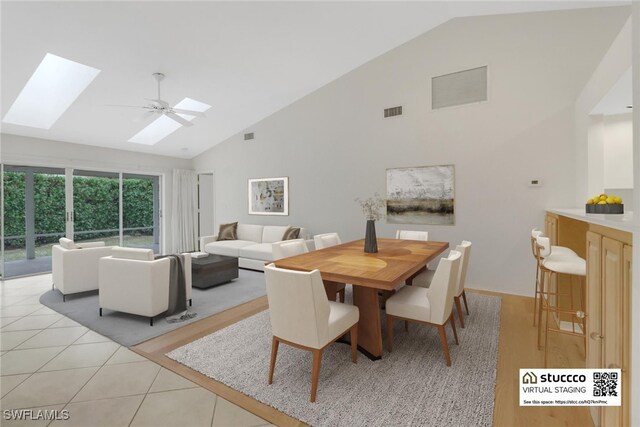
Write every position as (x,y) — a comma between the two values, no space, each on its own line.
(74,267)
(132,281)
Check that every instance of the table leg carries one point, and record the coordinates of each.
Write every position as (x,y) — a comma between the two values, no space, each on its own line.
(331,288)
(369,326)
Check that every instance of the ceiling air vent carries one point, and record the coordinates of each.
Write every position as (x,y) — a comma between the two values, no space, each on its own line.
(392,112)
(248,136)
(462,87)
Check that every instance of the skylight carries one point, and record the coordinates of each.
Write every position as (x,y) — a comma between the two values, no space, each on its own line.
(53,87)
(163,126)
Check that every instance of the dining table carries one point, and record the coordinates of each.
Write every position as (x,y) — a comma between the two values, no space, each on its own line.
(370,274)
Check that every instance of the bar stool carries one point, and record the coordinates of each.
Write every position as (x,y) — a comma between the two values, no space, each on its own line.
(574,267)
(555,250)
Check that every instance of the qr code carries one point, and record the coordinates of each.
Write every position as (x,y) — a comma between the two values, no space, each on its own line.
(605,384)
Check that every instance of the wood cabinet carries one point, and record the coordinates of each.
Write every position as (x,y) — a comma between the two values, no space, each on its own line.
(551,228)
(608,304)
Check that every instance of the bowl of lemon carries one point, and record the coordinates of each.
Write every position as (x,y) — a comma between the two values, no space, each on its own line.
(605,204)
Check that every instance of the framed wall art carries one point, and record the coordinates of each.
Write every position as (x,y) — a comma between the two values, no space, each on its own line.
(269,196)
(421,195)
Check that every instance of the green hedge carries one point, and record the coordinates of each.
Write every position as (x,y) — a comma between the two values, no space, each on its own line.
(95,202)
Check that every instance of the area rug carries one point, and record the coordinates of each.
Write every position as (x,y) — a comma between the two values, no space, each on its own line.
(411,386)
(129,330)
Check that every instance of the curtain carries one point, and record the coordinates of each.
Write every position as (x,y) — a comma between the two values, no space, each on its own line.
(184,224)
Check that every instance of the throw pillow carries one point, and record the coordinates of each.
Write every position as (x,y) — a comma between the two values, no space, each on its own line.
(228,231)
(291,233)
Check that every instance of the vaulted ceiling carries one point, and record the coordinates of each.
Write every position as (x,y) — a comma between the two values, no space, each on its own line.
(245,59)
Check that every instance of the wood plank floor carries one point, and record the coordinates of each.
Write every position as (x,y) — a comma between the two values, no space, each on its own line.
(517,349)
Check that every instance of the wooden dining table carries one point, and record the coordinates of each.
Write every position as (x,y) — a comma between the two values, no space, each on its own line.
(369,273)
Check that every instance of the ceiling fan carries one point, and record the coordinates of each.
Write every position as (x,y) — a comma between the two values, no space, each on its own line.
(160,107)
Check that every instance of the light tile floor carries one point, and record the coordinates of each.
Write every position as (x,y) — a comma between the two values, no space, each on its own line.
(50,362)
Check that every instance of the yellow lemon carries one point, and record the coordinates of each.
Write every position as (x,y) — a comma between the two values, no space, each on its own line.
(590,201)
(602,202)
(603,197)
(611,200)
(618,200)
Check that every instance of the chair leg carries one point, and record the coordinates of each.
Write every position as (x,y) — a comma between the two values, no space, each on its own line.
(315,373)
(445,345)
(535,296)
(540,303)
(546,334)
(453,326)
(151,321)
(406,326)
(341,294)
(353,334)
(100,311)
(459,310)
(466,306)
(389,333)
(274,353)
(190,302)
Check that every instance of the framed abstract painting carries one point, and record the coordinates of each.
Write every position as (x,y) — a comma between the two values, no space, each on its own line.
(269,196)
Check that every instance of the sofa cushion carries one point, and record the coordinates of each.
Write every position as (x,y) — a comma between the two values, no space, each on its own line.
(67,243)
(250,232)
(132,253)
(227,247)
(228,231)
(261,251)
(291,233)
(273,233)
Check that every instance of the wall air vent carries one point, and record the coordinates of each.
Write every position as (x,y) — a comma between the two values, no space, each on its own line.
(462,87)
(248,136)
(392,112)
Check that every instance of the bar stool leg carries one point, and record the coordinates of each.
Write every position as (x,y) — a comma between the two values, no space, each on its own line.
(540,303)
(536,294)
(546,327)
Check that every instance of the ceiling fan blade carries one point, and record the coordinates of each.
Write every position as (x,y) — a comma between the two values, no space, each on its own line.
(144,116)
(177,118)
(129,106)
(159,101)
(188,112)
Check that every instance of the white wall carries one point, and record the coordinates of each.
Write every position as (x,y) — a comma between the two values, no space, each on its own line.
(334,144)
(20,150)
(618,151)
(595,155)
(612,66)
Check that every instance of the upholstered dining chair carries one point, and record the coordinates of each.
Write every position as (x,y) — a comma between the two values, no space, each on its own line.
(327,240)
(287,248)
(433,305)
(412,235)
(303,317)
(424,279)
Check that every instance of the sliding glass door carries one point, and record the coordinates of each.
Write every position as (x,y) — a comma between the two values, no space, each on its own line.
(96,207)
(141,211)
(34,218)
(40,205)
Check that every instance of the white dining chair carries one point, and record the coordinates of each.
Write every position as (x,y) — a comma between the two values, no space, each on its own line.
(432,306)
(412,235)
(288,248)
(327,240)
(303,317)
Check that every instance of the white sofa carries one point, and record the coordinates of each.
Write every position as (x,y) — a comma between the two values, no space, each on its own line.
(132,281)
(253,247)
(74,267)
